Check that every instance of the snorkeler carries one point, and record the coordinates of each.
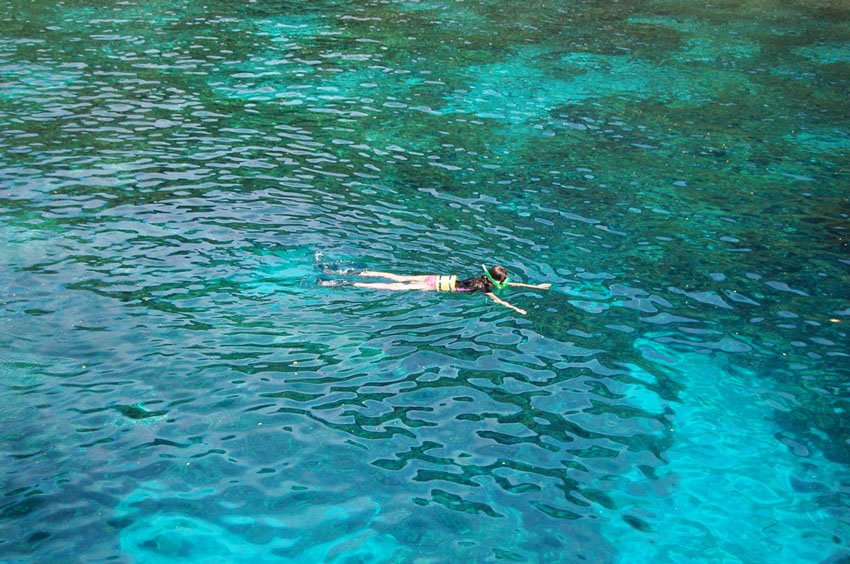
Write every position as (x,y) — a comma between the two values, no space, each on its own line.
(494,280)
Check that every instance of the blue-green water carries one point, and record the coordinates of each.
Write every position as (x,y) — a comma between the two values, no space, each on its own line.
(175,386)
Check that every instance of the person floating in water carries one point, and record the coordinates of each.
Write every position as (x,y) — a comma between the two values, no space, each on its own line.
(493,281)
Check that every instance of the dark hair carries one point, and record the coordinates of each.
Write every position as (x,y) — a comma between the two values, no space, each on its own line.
(498,273)
(482,283)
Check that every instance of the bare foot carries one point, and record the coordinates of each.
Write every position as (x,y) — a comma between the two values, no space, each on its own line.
(342,271)
(334,283)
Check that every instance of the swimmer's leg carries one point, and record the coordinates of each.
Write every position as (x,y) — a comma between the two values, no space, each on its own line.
(395,277)
(393,286)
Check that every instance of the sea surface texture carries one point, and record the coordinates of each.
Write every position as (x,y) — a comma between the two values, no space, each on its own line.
(176,176)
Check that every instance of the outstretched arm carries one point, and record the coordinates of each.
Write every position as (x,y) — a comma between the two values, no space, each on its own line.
(506,304)
(538,286)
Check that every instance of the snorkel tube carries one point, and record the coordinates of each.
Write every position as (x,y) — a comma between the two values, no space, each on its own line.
(499,286)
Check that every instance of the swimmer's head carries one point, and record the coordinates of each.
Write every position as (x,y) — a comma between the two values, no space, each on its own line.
(498,273)
(498,277)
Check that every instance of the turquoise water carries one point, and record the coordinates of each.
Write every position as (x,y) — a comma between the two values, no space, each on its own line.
(175,386)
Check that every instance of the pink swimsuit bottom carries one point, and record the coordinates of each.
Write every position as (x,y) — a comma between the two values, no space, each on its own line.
(441,283)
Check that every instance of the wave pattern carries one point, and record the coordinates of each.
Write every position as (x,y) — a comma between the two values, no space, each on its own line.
(176,177)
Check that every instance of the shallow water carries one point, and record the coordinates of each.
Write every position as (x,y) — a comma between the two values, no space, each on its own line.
(174,176)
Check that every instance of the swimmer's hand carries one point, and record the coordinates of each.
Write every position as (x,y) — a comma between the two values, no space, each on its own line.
(506,304)
(538,286)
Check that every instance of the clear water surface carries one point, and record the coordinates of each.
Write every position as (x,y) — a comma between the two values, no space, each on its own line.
(174,175)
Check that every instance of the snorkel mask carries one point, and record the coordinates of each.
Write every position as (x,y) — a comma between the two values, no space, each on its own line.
(499,286)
